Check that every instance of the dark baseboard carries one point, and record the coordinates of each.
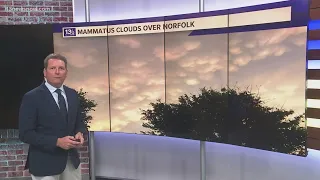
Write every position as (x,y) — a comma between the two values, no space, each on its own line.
(111,178)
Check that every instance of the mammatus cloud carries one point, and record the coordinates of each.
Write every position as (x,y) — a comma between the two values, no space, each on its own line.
(263,44)
(275,67)
(136,79)
(88,69)
(201,62)
(176,52)
(271,62)
(74,50)
(95,86)
(235,50)
(129,41)
(79,60)
(278,36)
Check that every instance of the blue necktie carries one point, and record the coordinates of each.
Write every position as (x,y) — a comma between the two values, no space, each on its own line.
(62,104)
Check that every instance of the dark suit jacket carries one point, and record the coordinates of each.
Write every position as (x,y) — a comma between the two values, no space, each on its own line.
(41,124)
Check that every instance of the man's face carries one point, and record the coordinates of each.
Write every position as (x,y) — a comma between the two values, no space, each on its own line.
(56,72)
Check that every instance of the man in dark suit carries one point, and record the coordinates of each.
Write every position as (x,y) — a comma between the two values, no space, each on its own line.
(51,121)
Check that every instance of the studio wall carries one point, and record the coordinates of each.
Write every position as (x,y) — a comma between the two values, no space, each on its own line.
(110,10)
(235,76)
(214,5)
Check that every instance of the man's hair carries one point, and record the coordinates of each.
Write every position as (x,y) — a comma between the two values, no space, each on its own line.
(55,56)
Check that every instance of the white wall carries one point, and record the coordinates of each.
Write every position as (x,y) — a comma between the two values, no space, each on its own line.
(107,10)
(143,157)
(213,5)
(79,10)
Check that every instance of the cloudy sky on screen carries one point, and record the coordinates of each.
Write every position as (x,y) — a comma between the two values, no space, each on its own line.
(271,62)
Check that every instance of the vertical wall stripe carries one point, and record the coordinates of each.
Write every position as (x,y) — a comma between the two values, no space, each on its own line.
(313,77)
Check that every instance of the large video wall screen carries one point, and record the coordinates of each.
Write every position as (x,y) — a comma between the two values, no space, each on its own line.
(201,79)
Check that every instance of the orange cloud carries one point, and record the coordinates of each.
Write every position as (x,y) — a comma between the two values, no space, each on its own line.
(176,52)
(129,41)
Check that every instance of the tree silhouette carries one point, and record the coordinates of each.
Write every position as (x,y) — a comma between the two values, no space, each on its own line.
(87,106)
(228,116)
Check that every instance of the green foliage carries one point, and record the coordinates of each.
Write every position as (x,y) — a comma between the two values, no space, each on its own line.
(87,106)
(228,116)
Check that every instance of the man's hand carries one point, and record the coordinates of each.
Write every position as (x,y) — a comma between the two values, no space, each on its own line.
(79,136)
(67,142)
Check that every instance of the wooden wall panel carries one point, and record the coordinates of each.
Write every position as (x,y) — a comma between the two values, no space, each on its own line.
(314,35)
(313,133)
(313,113)
(314,54)
(313,141)
(313,94)
(315,13)
(313,74)
(314,4)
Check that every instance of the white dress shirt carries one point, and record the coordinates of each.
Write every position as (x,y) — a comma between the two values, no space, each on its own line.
(55,95)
